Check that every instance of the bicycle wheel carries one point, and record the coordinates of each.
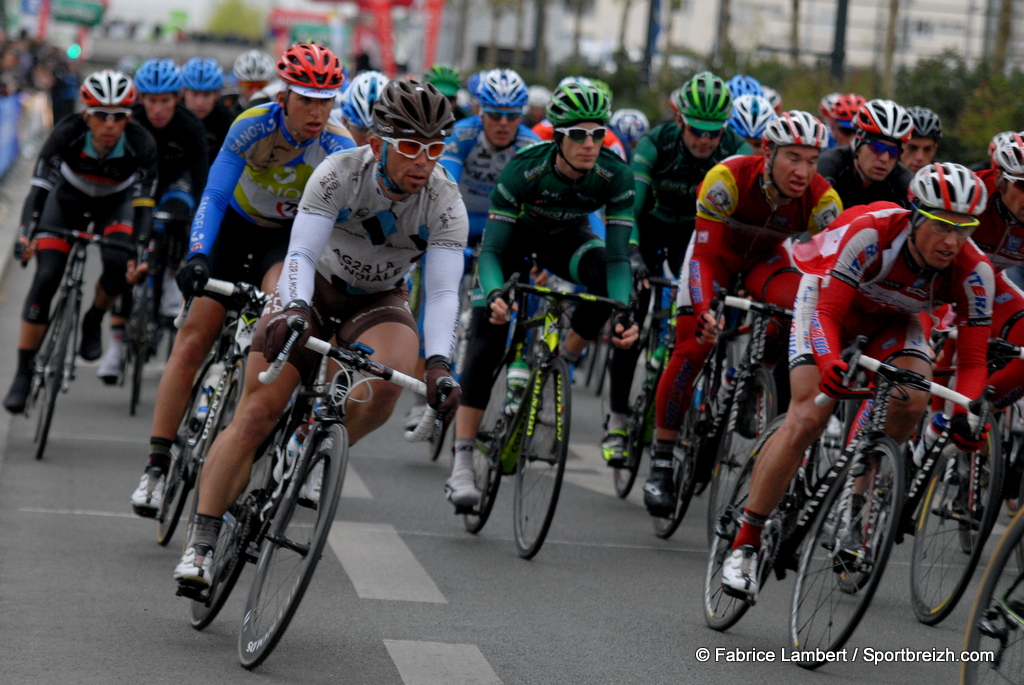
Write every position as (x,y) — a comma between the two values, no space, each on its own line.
(688,448)
(751,412)
(137,345)
(996,624)
(639,429)
(292,548)
(487,455)
(542,455)
(62,327)
(834,586)
(956,517)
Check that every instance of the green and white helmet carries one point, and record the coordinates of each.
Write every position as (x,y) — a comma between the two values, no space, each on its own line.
(704,102)
(575,102)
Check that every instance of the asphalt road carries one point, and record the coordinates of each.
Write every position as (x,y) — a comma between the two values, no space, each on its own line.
(403,595)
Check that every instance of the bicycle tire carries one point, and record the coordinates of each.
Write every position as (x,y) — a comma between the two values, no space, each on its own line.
(989,628)
(941,565)
(53,370)
(689,445)
(735,448)
(435,444)
(487,450)
(819,562)
(136,344)
(283,572)
(624,477)
(228,564)
(542,455)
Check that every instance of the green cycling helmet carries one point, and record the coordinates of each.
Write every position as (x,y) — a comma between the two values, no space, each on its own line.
(445,79)
(604,88)
(704,102)
(576,102)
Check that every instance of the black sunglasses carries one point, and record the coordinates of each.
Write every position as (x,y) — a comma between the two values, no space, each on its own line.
(495,115)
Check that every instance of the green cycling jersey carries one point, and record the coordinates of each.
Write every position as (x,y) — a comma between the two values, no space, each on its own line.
(532,200)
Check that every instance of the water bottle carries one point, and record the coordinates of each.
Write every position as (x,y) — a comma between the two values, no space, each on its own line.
(518,376)
(726,385)
(935,428)
(206,393)
(658,357)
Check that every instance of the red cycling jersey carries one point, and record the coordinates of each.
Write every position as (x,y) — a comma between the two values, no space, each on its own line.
(867,270)
(998,236)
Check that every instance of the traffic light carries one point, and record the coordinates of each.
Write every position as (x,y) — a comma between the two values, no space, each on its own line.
(74,51)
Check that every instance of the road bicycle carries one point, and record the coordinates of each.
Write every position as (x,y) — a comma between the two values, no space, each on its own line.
(530,441)
(215,392)
(835,529)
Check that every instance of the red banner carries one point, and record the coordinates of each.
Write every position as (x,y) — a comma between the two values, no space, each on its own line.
(432,10)
(382,17)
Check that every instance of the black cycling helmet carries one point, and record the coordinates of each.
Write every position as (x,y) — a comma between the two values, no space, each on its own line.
(413,108)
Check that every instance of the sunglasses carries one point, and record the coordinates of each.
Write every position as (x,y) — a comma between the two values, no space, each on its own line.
(498,115)
(109,115)
(945,227)
(711,135)
(880,148)
(412,148)
(1017,181)
(578,134)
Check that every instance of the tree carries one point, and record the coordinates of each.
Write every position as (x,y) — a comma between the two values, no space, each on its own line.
(498,9)
(626,6)
(235,17)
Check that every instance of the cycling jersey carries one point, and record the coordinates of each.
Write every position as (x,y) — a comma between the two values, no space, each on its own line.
(545,130)
(181,146)
(836,165)
(668,176)
(999,236)
(474,165)
(216,123)
(350,233)
(737,225)
(866,267)
(532,199)
(260,171)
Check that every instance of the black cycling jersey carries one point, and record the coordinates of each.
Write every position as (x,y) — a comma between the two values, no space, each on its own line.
(836,165)
(217,123)
(68,164)
(233,102)
(182,148)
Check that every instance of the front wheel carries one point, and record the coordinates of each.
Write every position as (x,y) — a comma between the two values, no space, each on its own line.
(293,546)
(542,455)
(641,425)
(53,369)
(487,455)
(845,552)
(689,446)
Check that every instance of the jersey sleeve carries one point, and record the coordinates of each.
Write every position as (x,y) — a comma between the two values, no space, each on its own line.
(451,160)
(45,173)
(501,219)
(718,196)
(825,211)
(975,290)
(223,178)
(619,228)
(717,199)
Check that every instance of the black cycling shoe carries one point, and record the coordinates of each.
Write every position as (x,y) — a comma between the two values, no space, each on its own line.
(92,336)
(660,493)
(17,396)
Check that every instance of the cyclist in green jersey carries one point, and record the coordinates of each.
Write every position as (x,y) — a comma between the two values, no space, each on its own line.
(669,164)
(539,209)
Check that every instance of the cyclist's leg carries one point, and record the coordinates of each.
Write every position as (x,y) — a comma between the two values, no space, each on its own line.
(1007,314)
(903,343)
(417,305)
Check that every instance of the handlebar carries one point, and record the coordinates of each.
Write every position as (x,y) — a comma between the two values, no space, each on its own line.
(215,286)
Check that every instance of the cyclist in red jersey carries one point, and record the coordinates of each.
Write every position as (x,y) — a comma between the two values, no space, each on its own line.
(872,272)
(747,208)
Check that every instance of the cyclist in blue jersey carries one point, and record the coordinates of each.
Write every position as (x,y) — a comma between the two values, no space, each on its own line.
(629,125)
(241,228)
(357,104)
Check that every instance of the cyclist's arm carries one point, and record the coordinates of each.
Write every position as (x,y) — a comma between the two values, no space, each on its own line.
(825,211)
(501,219)
(144,191)
(44,176)
(713,209)
(975,292)
(619,227)
(307,242)
(224,175)
(442,275)
(198,166)
(452,159)
(644,156)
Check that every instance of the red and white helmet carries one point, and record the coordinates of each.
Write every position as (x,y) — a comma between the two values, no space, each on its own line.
(107,88)
(797,128)
(948,186)
(826,104)
(884,118)
(1009,156)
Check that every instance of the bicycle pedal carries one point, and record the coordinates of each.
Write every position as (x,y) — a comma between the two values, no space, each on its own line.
(466,511)
(193,593)
(739,594)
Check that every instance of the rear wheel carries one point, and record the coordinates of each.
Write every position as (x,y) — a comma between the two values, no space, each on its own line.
(542,455)
(638,432)
(688,448)
(487,455)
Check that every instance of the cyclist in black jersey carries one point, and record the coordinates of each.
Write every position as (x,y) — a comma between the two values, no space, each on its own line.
(253,69)
(99,166)
(920,150)
(182,170)
(203,79)
(869,170)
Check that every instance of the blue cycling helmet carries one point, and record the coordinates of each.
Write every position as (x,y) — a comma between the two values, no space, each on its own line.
(357,101)
(501,88)
(473,83)
(751,114)
(202,73)
(740,84)
(629,124)
(158,76)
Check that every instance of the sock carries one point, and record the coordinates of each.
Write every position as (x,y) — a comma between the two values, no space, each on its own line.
(207,528)
(93,316)
(661,458)
(159,453)
(616,421)
(570,357)
(25,361)
(463,454)
(116,334)
(751,525)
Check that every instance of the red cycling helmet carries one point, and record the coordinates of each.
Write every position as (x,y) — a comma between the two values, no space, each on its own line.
(310,66)
(845,108)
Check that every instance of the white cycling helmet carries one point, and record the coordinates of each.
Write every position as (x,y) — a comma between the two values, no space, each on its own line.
(538,96)
(796,127)
(884,118)
(751,114)
(826,104)
(107,88)
(630,124)
(771,95)
(254,65)
(357,101)
(948,186)
(1009,156)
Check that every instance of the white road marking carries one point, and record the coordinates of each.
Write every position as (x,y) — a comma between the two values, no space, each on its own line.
(380,565)
(82,512)
(354,486)
(439,663)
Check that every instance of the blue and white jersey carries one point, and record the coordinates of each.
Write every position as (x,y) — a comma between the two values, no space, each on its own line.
(474,165)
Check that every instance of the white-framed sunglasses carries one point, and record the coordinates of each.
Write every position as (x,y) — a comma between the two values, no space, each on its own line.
(412,148)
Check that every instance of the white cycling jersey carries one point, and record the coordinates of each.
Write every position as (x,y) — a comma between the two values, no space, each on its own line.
(361,241)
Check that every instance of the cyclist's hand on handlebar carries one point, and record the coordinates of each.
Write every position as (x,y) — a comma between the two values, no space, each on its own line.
(499,310)
(136,273)
(279,328)
(962,435)
(625,331)
(832,377)
(638,266)
(443,392)
(25,249)
(539,276)
(708,328)
(193,276)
